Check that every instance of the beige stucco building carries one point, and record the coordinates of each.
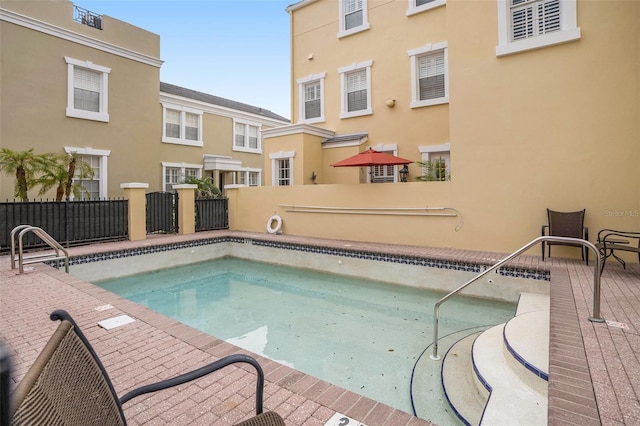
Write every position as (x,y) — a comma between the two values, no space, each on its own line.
(73,80)
(532,105)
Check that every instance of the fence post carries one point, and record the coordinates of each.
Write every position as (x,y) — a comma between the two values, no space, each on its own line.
(135,193)
(186,208)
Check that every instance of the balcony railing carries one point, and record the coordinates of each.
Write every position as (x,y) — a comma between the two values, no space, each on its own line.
(87,17)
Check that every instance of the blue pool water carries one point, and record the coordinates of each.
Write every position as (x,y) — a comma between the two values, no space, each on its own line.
(362,335)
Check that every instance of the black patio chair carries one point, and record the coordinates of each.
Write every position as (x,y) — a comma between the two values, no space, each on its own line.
(67,384)
(566,224)
(611,240)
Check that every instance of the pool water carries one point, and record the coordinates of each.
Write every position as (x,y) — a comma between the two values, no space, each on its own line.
(362,335)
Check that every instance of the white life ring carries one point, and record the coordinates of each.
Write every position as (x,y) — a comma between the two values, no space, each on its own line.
(274,229)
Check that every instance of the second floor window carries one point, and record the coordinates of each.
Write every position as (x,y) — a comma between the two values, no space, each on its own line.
(182,126)
(87,90)
(246,137)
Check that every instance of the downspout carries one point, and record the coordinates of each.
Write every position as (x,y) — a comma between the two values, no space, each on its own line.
(292,86)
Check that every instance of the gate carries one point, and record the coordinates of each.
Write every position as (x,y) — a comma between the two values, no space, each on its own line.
(162,212)
(212,214)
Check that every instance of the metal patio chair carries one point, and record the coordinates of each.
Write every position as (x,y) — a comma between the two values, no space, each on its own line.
(67,384)
(566,224)
(611,240)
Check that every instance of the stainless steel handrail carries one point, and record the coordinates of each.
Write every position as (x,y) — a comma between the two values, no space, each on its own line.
(596,282)
(40,233)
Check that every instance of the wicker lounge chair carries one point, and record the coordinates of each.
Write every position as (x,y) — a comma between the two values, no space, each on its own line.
(566,224)
(68,384)
(610,241)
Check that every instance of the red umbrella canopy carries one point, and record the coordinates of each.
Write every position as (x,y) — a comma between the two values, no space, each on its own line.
(371,157)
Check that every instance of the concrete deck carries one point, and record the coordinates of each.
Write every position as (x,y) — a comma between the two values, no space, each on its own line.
(594,368)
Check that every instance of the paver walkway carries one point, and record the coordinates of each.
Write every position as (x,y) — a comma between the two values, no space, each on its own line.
(594,367)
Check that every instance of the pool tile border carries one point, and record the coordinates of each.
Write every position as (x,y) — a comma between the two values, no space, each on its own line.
(431,262)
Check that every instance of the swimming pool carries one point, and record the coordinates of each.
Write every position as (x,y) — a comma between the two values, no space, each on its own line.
(359,334)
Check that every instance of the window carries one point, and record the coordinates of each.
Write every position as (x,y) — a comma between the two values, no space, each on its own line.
(531,24)
(355,86)
(353,17)
(182,125)
(87,89)
(282,168)
(246,137)
(437,162)
(417,6)
(175,173)
(429,75)
(311,91)
(249,177)
(381,174)
(96,187)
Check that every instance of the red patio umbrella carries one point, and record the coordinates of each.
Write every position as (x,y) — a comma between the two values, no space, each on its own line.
(371,157)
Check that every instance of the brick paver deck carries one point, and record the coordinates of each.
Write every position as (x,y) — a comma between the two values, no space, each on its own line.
(594,371)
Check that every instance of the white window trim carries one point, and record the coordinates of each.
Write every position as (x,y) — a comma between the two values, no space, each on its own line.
(415,92)
(246,170)
(343,87)
(104,156)
(274,157)
(103,114)
(246,124)
(182,139)
(365,20)
(413,9)
(568,23)
(181,166)
(301,93)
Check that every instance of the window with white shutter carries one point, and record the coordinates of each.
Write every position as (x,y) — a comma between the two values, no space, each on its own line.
(93,187)
(431,76)
(353,17)
(532,24)
(240,141)
(355,84)
(87,90)
(430,82)
(182,125)
(311,98)
(282,164)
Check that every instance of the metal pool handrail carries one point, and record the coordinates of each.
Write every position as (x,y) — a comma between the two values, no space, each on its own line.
(48,239)
(596,282)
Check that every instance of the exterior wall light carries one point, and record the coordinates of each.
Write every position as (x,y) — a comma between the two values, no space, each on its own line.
(391,103)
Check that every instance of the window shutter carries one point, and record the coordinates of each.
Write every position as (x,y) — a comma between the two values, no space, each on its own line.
(191,126)
(86,89)
(530,18)
(357,90)
(549,16)
(421,2)
(431,76)
(172,123)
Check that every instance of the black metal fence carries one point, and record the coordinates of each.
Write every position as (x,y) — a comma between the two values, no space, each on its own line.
(68,222)
(162,212)
(212,214)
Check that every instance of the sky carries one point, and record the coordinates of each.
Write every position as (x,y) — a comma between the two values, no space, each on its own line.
(235,49)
